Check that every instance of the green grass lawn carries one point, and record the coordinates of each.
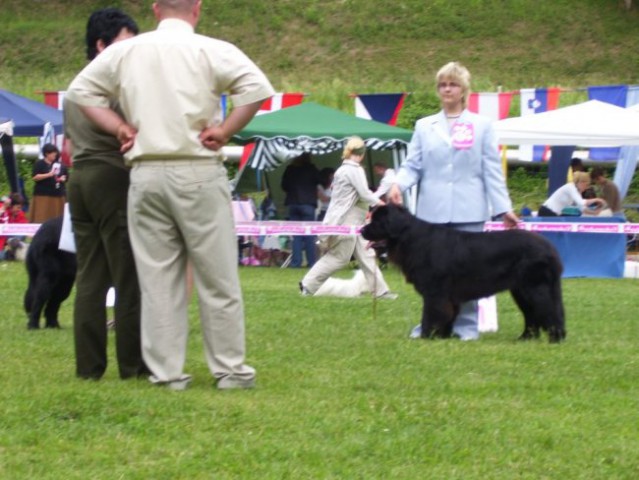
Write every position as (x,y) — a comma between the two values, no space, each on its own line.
(342,393)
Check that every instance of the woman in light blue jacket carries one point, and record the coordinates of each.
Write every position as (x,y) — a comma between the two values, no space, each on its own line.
(454,160)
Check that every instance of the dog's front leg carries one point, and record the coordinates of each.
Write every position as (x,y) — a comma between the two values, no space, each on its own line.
(437,318)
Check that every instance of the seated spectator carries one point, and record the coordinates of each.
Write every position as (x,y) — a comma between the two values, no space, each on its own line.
(12,214)
(576,165)
(5,204)
(268,210)
(608,191)
(570,196)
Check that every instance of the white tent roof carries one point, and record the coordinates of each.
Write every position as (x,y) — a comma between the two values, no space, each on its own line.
(588,124)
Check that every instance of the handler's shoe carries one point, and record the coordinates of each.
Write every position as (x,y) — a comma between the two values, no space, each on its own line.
(303,291)
(416,332)
(388,295)
(232,383)
(177,385)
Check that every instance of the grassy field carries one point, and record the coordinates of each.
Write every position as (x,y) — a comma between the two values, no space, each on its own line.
(342,393)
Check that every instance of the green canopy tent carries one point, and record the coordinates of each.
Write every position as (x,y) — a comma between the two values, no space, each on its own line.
(322,131)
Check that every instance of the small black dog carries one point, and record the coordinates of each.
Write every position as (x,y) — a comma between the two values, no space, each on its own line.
(449,267)
(51,275)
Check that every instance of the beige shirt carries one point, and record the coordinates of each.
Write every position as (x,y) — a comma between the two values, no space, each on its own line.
(350,191)
(168,83)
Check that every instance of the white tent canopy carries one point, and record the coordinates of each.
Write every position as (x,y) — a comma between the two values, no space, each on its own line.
(588,124)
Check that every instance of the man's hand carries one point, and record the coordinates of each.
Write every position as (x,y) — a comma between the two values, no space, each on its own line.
(214,137)
(126,136)
(394,195)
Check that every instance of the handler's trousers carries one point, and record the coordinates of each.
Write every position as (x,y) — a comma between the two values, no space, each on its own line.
(98,201)
(179,210)
(340,250)
(466,324)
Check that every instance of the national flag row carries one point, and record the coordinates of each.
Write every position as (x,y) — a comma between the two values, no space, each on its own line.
(385,108)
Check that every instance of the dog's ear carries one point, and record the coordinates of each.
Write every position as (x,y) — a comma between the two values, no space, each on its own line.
(396,219)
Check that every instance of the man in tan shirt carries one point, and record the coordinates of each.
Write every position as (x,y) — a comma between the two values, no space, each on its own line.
(168,83)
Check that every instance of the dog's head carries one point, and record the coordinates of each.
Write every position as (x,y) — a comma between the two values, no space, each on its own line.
(387,224)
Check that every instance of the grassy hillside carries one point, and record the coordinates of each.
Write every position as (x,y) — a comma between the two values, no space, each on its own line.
(335,47)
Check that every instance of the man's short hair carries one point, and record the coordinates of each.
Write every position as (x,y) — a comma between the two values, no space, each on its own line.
(177,5)
(597,172)
(106,24)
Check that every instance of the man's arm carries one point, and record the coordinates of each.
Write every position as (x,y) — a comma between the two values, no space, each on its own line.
(216,136)
(111,122)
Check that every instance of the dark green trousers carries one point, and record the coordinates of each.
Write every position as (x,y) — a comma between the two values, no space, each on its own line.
(97,194)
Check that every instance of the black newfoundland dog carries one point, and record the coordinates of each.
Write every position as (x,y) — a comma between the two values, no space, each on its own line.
(449,267)
(51,275)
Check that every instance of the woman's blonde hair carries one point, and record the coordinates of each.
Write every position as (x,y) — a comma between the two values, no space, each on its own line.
(581,177)
(354,145)
(455,72)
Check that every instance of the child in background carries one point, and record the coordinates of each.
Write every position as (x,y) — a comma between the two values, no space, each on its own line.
(11,214)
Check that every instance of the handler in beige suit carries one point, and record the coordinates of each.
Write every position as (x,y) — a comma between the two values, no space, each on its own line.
(349,204)
(168,83)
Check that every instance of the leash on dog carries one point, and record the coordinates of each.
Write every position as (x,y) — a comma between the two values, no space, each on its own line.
(375,296)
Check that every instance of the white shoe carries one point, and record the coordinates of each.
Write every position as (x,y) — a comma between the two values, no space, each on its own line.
(416,332)
(388,295)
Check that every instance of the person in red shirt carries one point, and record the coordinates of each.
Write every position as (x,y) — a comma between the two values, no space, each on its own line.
(13,214)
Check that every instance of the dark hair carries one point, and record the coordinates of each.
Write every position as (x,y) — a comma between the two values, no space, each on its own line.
(48,148)
(589,193)
(106,24)
(577,165)
(596,172)
(16,199)
(325,176)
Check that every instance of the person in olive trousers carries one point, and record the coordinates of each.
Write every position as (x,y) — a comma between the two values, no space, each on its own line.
(97,194)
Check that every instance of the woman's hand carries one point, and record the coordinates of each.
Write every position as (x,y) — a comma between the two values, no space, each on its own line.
(510,220)
(394,194)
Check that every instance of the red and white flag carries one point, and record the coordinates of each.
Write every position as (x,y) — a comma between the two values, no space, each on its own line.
(279,101)
(55,99)
(495,106)
(276,102)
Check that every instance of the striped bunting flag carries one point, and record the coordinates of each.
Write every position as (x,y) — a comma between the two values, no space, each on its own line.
(270,154)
